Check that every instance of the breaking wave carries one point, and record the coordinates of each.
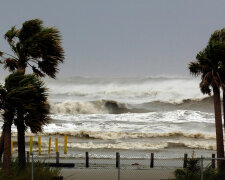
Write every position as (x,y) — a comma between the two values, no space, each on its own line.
(132,135)
(138,145)
(114,107)
(144,146)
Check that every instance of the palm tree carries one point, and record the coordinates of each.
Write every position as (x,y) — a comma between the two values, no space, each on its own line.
(217,39)
(33,108)
(207,65)
(26,94)
(8,116)
(37,47)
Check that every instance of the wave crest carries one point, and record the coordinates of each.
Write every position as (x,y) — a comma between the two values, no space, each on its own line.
(139,145)
(114,107)
(132,135)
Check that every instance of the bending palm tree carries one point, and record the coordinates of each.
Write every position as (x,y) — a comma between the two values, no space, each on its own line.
(27,94)
(208,66)
(35,46)
(39,48)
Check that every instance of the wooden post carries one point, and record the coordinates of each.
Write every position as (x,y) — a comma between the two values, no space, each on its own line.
(185,160)
(213,161)
(117,159)
(65,144)
(56,145)
(39,145)
(31,144)
(87,159)
(152,160)
(57,157)
(28,157)
(11,147)
(49,145)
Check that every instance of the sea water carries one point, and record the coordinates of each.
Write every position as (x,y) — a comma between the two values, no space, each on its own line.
(131,114)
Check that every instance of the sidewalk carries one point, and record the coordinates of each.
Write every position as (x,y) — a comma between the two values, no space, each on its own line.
(112,174)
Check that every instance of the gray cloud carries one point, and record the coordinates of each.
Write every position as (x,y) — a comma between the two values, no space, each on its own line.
(122,37)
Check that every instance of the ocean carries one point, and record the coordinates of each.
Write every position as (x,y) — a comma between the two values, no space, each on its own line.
(135,115)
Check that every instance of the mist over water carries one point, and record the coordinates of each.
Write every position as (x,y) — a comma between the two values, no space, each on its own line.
(126,90)
(122,95)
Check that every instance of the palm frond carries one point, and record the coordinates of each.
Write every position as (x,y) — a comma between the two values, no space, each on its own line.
(36,42)
(194,68)
(49,65)
(11,64)
(206,83)
(27,93)
(29,29)
(37,72)
(11,34)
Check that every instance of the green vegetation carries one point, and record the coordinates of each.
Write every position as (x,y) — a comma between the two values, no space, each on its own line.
(193,172)
(40,172)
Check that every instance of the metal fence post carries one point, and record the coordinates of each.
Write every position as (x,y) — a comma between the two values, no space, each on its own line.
(201,167)
(152,160)
(118,166)
(213,161)
(87,159)
(185,160)
(32,167)
(57,157)
(117,159)
(28,157)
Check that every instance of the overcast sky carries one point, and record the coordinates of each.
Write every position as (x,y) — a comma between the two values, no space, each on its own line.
(122,37)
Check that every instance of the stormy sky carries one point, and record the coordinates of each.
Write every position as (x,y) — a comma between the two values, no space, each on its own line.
(116,38)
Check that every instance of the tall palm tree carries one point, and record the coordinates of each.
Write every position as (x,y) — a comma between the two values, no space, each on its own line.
(217,39)
(207,65)
(26,94)
(37,47)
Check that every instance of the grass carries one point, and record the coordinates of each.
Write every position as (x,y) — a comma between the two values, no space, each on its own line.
(40,172)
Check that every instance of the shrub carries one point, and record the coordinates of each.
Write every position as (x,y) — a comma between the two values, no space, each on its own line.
(40,172)
(193,172)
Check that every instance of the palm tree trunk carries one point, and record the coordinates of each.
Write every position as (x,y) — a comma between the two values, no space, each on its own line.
(21,143)
(22,68)
(21,130)
(1,145)
(8,118)
(224,109)
(7,148)
(219,126)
